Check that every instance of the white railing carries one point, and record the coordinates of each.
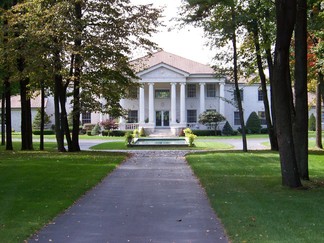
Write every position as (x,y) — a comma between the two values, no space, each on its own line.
(131,126)
(193,126)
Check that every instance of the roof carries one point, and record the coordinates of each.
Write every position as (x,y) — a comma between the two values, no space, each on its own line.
(35,102)
(181,63)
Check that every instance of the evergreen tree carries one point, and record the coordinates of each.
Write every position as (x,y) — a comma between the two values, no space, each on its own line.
(312,123)
(253,124)
(38,119)
(227,129)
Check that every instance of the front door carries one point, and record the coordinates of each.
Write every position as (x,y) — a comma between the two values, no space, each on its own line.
(162,119)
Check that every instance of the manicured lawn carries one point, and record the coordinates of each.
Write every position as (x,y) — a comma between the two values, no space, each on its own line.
(36,186)
(245,190)
(199,145)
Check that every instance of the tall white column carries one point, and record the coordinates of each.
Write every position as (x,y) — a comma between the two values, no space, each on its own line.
(183,103)
(202,97)
(151,103)
(173,103)
(222,99)
(141,105)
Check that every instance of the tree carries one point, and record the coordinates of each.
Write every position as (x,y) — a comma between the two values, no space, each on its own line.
(220,22)
(227,129)
(253,124)
(312,123)
(285,21)
(37,122)
(211,118)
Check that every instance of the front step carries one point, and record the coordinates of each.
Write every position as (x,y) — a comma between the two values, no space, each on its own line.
(159,133)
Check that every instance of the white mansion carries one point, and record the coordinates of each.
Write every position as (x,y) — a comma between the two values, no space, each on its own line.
(173,92)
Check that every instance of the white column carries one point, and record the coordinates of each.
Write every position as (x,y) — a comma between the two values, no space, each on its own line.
(222,99)
(122,119)
(173,103)
(151,103)
(183,103)
(202,97)
(141,105)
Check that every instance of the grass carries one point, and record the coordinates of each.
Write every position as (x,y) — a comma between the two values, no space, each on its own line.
(199,145)
(245,190)
(36,186)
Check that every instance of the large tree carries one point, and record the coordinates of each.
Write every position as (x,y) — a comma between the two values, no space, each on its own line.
(286,18)
(220,22)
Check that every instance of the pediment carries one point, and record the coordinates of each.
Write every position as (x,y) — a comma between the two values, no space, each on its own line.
(162,71)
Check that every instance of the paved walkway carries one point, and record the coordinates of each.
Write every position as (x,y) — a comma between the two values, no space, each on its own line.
(152,197)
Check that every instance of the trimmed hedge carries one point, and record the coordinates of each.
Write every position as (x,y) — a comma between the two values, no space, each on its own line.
(207,132)
(46,132)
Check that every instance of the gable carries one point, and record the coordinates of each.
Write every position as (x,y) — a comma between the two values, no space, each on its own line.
(161,72)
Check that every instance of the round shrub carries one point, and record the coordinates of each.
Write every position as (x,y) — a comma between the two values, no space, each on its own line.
(253,124)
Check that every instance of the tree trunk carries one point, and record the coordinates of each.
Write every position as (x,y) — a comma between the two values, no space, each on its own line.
(319,115)
(272,138)
(8,114)
(3,118)
(42,111)
(26,124)
(301,98)
(286,16)
(237,89)
(64,120)
(77,78)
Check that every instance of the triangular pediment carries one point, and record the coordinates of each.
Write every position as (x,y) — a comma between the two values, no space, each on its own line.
(162,70)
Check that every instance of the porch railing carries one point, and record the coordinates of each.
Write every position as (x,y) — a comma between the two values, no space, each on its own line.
(131,126)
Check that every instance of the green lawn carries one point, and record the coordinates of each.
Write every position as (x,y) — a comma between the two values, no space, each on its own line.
(36,186)
(199,145)
(245,190)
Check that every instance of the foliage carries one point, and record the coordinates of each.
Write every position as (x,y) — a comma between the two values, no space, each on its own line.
(95,130)
(312,123)
(142,132)
(227,129)
(191,138)
(211,118)
(207,132)
(187,131)
(109,124)
(37,120)
(129,137)
(253,124)
(46,132)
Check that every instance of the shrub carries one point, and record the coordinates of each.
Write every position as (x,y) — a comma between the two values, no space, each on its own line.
(117,133)
(191,138)
(207,132)
(312,123)
(211,118)
(129,137)
(142,132)
(253,124)
(227,129)
(187,131)
(105,133)
(46,132)
(95,130)
(88,126)
(89,133)
(109,124)
(37,120)
(264,130)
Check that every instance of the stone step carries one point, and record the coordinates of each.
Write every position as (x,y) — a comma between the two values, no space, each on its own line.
(162,133)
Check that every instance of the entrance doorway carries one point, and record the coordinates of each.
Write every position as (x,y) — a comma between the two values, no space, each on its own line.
(162,119)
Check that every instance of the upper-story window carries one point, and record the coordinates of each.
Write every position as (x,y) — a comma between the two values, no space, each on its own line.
(260,95)
(162,93)
(211,90)
(191,90)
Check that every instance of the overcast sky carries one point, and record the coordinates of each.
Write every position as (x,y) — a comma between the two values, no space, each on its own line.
(187,42)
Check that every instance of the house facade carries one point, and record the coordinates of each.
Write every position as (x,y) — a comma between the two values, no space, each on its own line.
(174,91)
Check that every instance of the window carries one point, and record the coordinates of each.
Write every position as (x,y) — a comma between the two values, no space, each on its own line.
(86,117)
(237,120)
(260,95)
(191,116)
(211,90)
(262,117)
(162,93)
(241,94)
(132,116)
(191,90)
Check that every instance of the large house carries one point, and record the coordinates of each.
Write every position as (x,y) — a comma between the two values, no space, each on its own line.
(172,94)
(175,90)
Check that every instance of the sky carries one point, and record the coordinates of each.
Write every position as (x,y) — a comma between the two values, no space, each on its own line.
(187,42)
